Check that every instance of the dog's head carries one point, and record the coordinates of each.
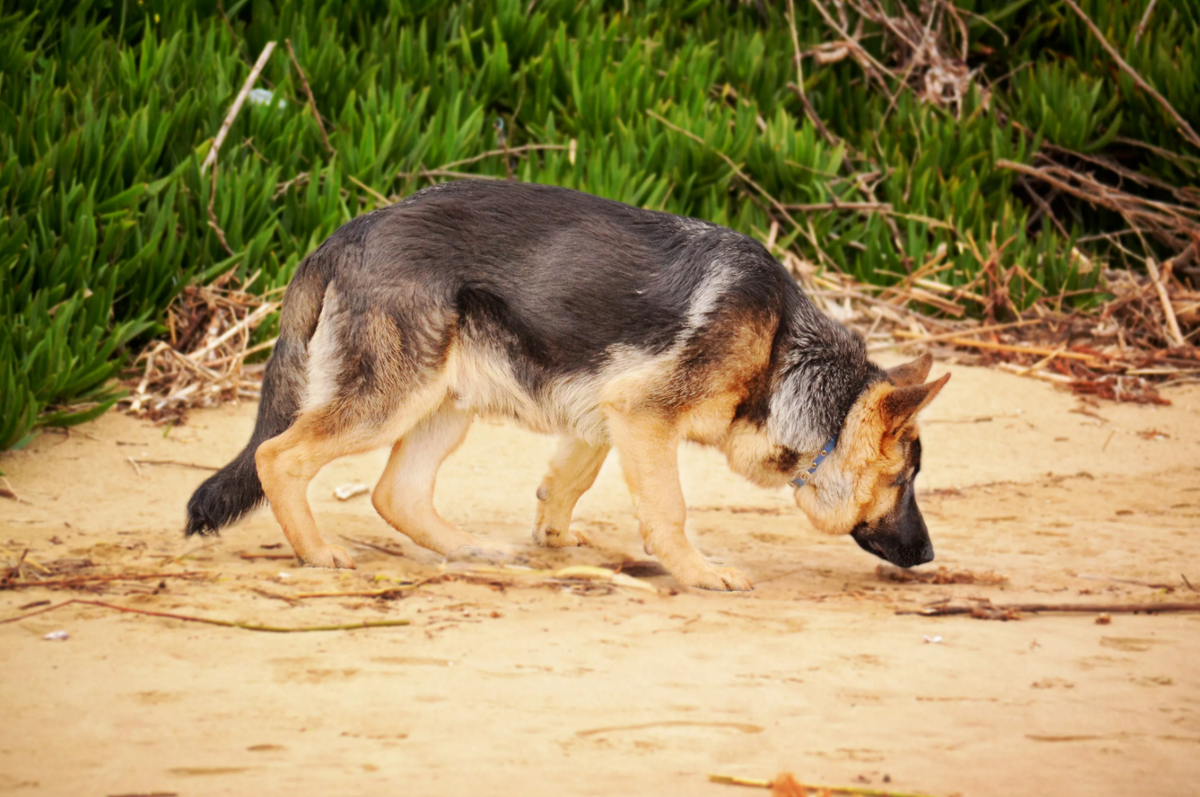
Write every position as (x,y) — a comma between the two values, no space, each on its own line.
(865,487)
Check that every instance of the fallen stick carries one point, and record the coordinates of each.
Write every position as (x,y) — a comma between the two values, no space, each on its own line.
(1165,300)
(1057,379)
(913,338)
(734,780)
(1170,587)
(371,593)
(208,620)
(211,157)
(170,560)
(376,547)
(193,465)
(71,582)
(267,594)
(245,555)
(985,344)
(1070,608)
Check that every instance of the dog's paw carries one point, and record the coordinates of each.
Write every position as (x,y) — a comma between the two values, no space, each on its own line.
(478,553)
(720,579)
(553,538)
(332,556)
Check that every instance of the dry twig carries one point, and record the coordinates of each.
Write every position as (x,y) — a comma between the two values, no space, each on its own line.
(210,621)
(312,102)
(82,580)
(1012,611)
(211,157)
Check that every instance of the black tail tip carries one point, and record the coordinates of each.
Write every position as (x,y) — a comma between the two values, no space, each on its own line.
(200,525)
(221,500)
(201,519)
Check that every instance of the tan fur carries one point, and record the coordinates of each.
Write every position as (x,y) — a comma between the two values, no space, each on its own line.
(404,494)
(648,445)
(572,472)
(287,464)
(854,484)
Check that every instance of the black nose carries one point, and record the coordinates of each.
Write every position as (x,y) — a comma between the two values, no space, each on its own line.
(892,549)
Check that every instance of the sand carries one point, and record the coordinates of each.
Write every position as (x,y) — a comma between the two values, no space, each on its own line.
(524,688)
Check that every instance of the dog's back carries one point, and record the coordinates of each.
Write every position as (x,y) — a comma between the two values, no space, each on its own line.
(533,298)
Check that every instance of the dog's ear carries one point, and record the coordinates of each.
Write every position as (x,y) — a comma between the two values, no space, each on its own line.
(912,373)
(900,405)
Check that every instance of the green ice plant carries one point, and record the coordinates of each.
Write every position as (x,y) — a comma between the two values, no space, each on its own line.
(108,108)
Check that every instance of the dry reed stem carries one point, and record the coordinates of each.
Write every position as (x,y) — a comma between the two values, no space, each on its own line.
(1168,312)
(211,157)
(312,102)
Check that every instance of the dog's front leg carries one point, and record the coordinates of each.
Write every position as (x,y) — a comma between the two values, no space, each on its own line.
(572,472)
(649,446)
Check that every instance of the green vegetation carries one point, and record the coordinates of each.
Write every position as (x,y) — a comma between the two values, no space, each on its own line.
(108,107)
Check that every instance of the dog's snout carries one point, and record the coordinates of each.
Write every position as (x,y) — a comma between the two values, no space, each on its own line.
(892,546)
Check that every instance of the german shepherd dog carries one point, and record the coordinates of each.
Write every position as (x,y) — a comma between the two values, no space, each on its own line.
(608,325)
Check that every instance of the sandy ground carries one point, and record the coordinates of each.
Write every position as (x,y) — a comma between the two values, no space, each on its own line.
(526,688)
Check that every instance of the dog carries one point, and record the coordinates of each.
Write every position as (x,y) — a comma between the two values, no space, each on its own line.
(606,324)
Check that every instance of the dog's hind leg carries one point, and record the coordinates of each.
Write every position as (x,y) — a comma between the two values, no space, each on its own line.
(404,495)
(649,447)
(286,464)
(572,472)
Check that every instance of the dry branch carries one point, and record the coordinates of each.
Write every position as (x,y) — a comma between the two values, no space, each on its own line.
(81,580)
(210,621)
(211,157)
(983,344)
(1168,312)
(1010,610)
(312,102)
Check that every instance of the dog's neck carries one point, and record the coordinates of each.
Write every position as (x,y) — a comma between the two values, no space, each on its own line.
(822,369)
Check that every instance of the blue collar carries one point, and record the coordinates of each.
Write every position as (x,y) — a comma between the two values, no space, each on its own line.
(803,478)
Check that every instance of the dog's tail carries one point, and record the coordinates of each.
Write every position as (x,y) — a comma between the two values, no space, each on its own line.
(235,489)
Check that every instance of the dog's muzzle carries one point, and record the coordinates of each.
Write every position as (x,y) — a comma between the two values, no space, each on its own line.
(891,548)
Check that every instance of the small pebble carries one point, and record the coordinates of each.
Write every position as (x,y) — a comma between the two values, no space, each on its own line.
(57,636)
(1103,619)
(933,639)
